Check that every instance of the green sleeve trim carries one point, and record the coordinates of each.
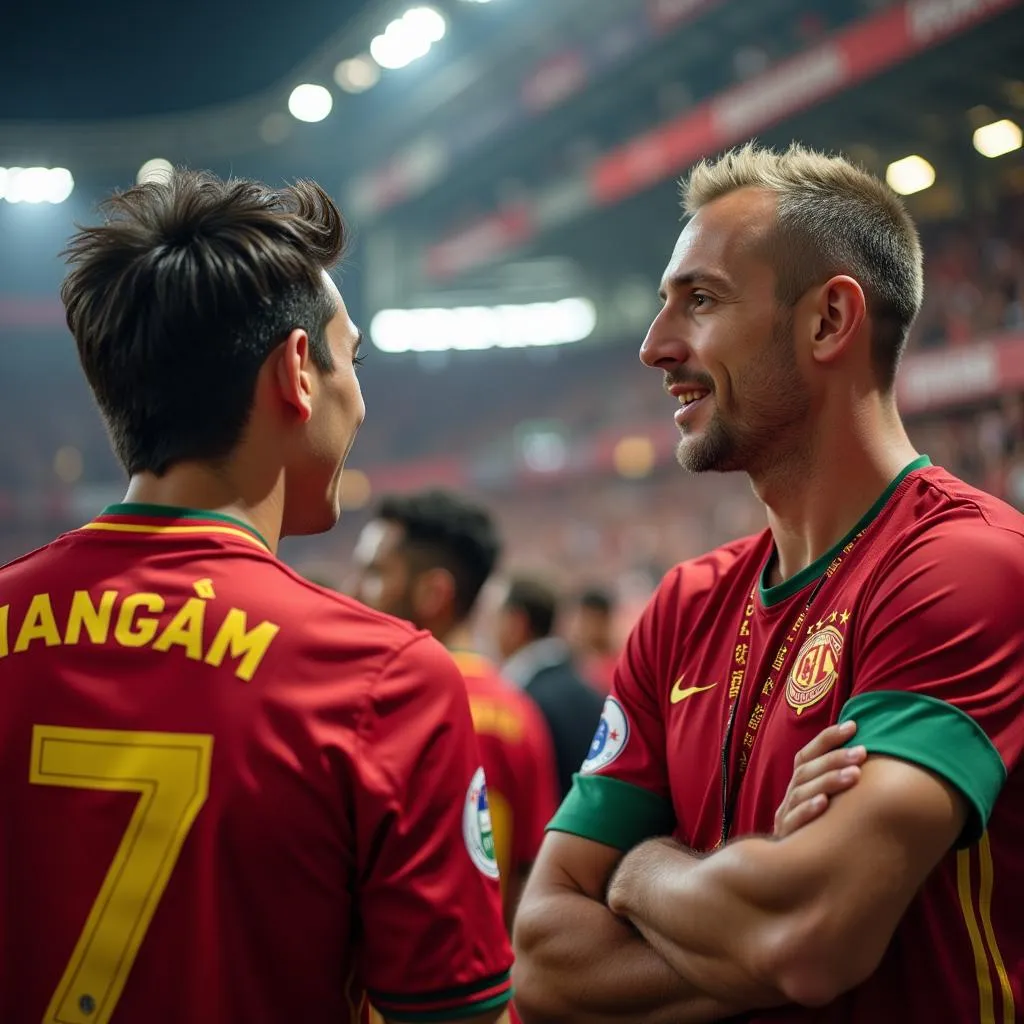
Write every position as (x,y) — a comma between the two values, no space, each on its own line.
(612,812)
(935,735)
(480,987)
(452,1013)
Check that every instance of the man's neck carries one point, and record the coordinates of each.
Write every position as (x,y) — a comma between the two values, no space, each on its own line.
(811,507)
(198,486)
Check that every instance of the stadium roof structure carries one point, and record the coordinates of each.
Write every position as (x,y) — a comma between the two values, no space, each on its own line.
(587,165)
(208,86)
(535,155)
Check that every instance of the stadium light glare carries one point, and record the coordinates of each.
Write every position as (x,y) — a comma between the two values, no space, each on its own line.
(634,457)
(482,327)
(356,490)
(36,184)
(310,103)
(909,175)
(156,170)
(408,38)
(425,22)
(997,138)
(61,185)
(357,74)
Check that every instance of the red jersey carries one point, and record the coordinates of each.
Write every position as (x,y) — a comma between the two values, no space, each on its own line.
(518,759)
(229,794)
(910,626)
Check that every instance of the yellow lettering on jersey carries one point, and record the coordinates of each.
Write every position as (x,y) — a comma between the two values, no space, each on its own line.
(493,720)
(235,641)
(38,624)
(95,620)
(185,630)
(132,631)
(5,610)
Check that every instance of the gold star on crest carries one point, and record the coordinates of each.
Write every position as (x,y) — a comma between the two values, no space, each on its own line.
(844,618)
(204,589)
(833,617)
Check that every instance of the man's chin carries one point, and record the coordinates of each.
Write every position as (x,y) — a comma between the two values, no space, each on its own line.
(695,455)
(311,522)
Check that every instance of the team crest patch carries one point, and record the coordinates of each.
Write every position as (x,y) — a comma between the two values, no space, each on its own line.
(610,738)
(476,826)
(816,668)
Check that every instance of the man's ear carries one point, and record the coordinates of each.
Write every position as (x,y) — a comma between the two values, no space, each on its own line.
(292,374)
(840,310)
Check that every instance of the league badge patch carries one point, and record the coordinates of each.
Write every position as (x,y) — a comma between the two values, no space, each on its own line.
(610,738)
(476,826)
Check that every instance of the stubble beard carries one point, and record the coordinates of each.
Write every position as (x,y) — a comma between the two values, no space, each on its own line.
(774,405)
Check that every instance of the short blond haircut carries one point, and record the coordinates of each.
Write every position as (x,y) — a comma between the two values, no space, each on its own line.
(831,218)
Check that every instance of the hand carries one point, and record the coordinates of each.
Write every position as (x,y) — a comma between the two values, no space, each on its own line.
(823,769)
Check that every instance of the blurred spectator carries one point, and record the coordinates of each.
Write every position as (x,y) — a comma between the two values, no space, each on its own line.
(593,638)
(541,663)
(425,557)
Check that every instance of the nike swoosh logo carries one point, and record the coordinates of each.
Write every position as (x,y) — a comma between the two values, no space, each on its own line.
(678,694)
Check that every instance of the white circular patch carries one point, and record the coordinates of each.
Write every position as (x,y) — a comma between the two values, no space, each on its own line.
(609,739)
(476,826)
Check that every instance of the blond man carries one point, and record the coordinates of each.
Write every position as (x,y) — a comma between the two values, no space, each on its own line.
(883,590)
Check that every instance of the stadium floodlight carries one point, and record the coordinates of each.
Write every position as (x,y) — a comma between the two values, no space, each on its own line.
(357,74)
(408,38)
(425,22)
(909,175)
(997,138)
(156,170)
(310,103)
(483,327)
(61,185)
(36,184)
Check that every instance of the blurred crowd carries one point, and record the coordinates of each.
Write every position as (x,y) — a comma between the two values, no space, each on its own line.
(480,409)
(975,278)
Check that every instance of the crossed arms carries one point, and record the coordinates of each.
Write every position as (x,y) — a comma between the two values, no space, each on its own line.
(663,935)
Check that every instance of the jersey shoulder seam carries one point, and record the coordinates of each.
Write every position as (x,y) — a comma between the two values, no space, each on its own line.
(36,552)
(970,500)
(366,711)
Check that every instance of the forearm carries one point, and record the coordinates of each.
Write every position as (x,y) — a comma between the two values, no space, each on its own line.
(705,917)
(581,963)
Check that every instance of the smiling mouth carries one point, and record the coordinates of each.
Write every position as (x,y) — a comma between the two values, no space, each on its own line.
(688,398)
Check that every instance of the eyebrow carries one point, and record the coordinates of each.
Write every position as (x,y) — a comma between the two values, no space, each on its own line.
(693,277)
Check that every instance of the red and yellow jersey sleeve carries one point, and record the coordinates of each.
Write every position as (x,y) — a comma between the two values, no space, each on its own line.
(940,657)
(519,761)
(434,943)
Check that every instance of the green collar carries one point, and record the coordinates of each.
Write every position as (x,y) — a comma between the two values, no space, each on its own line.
(787,588)
(134,508)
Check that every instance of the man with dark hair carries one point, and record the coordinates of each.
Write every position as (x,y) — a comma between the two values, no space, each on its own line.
(225,788)
(541,663)
(593,638)
(425,557)
(883,591)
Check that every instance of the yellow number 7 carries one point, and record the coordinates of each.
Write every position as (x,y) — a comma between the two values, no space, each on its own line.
(171,774)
